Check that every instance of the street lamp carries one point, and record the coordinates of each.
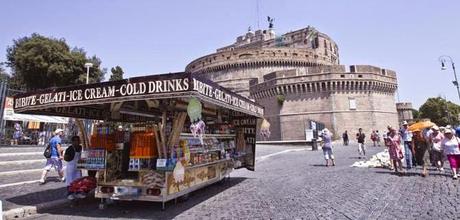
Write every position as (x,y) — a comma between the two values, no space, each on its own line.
(444,59)
(88,65)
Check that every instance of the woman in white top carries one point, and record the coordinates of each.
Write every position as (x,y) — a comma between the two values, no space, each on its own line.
(327,147)
(72,155)
(450,146)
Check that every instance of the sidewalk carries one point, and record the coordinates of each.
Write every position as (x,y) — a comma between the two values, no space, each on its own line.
(22,201)
(19,146)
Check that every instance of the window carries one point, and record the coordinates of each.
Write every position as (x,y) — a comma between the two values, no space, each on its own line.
(352,69)
(352,102)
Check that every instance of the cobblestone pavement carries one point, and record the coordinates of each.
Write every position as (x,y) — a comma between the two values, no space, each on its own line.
(296,185)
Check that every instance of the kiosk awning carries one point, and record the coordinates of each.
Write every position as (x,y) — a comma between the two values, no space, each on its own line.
(80,101)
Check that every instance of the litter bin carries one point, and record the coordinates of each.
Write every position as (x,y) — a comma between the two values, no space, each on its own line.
(314,144)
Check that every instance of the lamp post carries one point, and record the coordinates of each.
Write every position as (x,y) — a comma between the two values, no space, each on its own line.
(88,65)
(87,122)
(444,59)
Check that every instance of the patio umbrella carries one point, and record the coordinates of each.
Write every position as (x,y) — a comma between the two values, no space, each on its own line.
(421,125)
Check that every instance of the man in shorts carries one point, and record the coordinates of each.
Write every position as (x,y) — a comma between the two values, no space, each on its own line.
(360,137)
(56,157)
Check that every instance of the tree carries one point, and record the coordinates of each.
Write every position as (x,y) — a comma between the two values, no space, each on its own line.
(3,75)
(117,73)
(415,114)
(440,111)
(39,62)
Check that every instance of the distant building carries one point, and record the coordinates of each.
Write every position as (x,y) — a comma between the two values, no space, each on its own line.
(297,77)
(404,111)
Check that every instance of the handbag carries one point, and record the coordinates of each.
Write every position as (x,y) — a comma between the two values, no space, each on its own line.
(47,152)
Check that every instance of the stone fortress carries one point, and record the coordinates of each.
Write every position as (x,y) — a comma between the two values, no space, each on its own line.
(297,77)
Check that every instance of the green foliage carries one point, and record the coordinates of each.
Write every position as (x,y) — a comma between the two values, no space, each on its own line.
(415,114)
(117,73)
(39,62)
(3,75)
(440,111)
(280,99)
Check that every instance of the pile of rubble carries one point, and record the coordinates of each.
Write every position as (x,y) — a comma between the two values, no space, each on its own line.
(380,160)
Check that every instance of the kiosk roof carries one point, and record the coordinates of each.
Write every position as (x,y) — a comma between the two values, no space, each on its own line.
(79,101)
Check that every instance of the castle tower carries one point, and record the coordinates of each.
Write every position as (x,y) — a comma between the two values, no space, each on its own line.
(404,111)
(297,77)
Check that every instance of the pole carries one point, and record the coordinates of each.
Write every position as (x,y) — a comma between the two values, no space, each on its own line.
(87,76)
(456,81)
(447,111)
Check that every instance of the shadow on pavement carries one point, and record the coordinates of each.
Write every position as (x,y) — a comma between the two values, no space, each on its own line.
(88,208)
(318,165)
(411,173)
(35,198)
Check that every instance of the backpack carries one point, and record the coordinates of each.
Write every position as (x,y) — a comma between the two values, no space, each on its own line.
(69,153)
(47,152)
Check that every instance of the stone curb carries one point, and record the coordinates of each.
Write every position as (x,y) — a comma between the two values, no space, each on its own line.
(27,211)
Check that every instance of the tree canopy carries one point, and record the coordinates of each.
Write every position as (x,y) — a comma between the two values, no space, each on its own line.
(39,62)
(440,111)
(3,75)
(117,73)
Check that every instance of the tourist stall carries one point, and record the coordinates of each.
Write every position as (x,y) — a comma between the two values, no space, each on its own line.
(159,137)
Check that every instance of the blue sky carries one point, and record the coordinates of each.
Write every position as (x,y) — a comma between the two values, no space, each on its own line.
(147,37)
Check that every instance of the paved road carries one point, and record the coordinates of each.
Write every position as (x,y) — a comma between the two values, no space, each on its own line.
(20,170)
(295,185)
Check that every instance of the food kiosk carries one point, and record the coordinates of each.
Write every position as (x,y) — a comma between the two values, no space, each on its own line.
(158,137)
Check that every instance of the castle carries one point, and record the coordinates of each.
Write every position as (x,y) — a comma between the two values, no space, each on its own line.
(297,77)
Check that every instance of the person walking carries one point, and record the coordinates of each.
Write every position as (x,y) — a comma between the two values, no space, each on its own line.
(374,138)
(71,156)
(393,143)
(377,134)
(56,157)
(450,146)
(345,138)
(327,147)
(422,153)
(406,137)
(437,153)
(360,136)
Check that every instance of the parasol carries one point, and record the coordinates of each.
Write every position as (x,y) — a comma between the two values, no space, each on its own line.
(421,125)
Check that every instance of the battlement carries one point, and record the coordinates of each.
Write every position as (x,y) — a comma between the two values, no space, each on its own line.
(331,69)
(263,57)
(404,106)
(325,78)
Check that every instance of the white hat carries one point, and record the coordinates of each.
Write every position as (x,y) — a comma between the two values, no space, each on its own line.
(404,123)
(436,128)
(448,131)
(58,130)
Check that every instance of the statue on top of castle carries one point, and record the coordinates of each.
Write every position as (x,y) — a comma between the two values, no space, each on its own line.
(270,22)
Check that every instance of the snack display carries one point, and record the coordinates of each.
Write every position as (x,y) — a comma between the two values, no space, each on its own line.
(92,159)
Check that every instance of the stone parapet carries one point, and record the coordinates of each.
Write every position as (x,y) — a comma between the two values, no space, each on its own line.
(258,58)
